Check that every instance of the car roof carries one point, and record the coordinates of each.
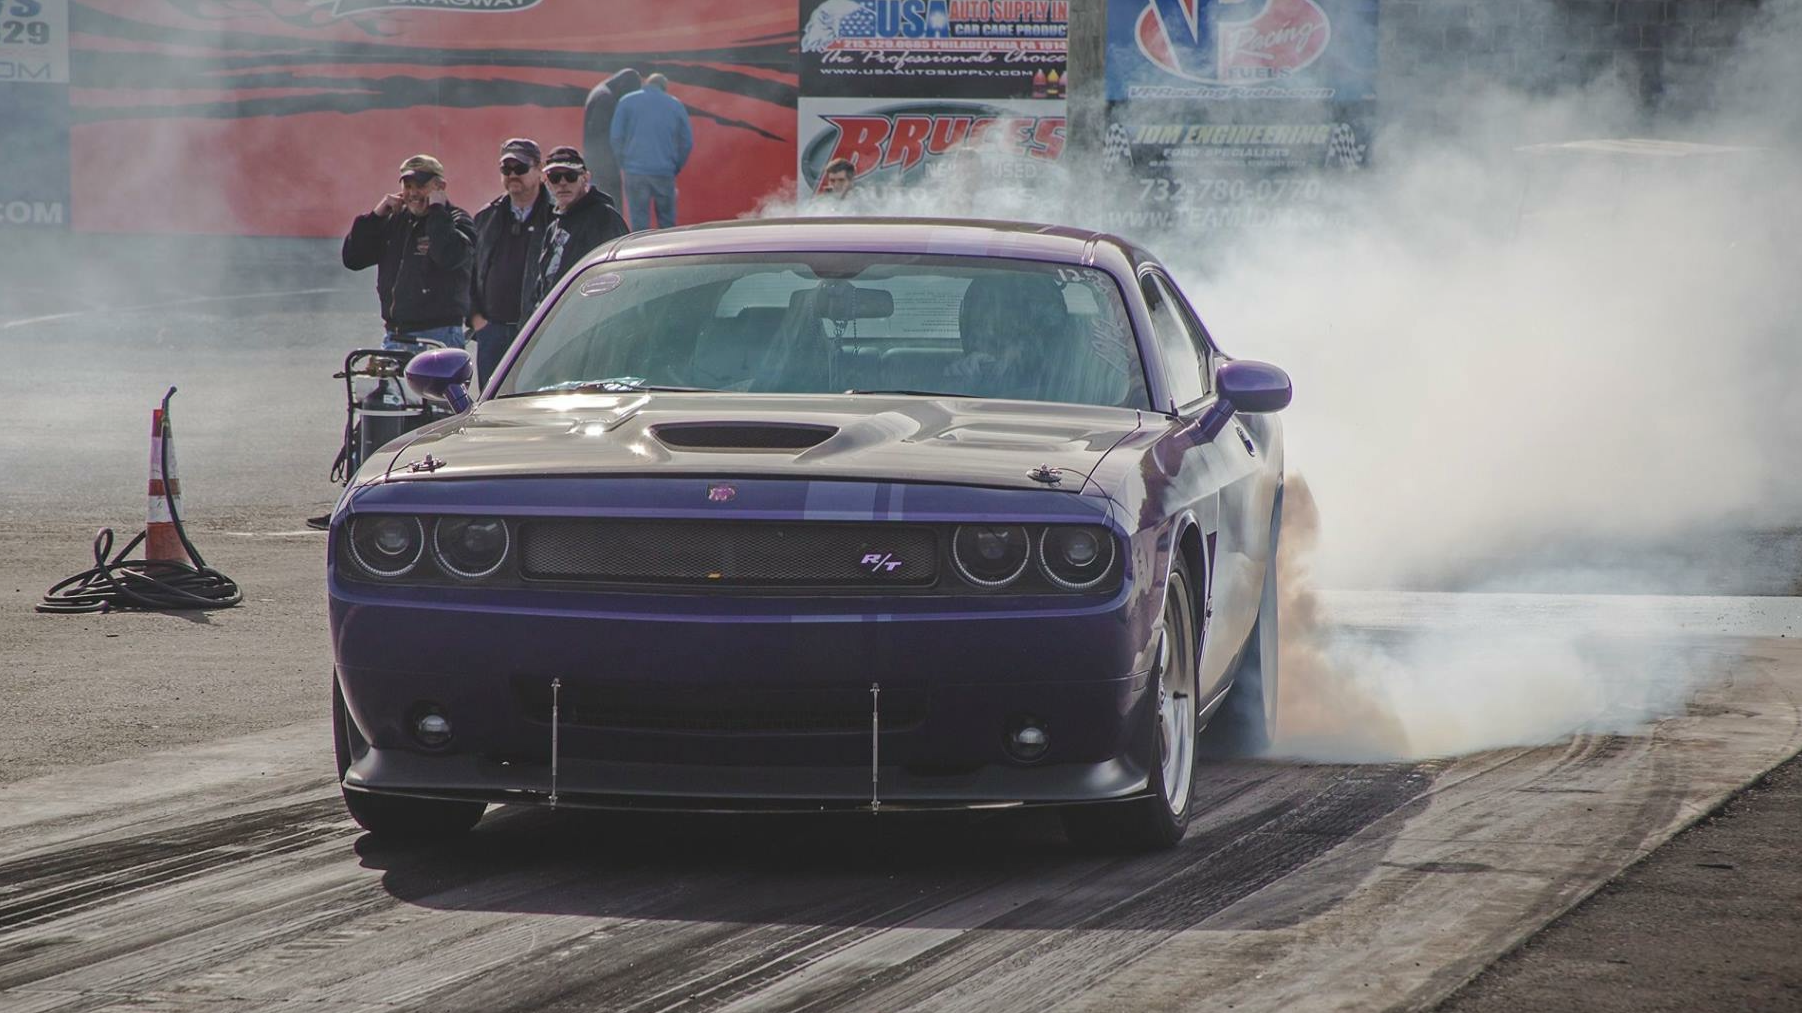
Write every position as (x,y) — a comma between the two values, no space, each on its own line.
(948,236)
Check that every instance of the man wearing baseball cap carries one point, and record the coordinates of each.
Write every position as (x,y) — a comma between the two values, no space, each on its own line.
(585,218)
(421,246)
(509,238)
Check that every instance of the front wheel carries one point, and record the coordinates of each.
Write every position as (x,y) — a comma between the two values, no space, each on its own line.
(1157,820)
(390,817)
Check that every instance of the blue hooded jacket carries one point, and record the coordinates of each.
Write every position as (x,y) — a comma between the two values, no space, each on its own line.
(651,134)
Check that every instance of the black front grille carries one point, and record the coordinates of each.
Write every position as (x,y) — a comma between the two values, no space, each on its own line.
(730,553)
(668,709)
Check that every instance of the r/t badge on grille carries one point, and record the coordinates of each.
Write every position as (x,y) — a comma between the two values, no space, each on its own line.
(720,492)
(880,562)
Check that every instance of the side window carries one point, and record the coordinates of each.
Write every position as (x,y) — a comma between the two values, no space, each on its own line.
(1204,349)
(1182,364)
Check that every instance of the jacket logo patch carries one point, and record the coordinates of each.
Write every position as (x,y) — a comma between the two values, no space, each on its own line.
(422,246)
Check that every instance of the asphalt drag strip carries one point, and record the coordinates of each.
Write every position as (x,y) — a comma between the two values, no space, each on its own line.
(228,877)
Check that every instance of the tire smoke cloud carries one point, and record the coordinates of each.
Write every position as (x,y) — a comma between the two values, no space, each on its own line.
(1552,350)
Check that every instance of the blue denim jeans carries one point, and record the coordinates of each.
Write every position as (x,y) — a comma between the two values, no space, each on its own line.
(492,342)
(449,337)
(644,191)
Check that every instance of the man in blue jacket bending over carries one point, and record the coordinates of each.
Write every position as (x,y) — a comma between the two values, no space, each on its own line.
(653,140)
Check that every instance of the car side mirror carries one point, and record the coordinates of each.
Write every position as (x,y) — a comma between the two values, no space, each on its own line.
(442,374)
(1253,387)
(1242,385)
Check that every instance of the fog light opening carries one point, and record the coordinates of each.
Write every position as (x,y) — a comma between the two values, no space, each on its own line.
(1027,740)
(430,727)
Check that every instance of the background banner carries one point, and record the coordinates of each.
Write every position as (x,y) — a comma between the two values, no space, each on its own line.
(921,145)
(1238,50)
(934,48)
(314,103)
(1238,113)
(34,114)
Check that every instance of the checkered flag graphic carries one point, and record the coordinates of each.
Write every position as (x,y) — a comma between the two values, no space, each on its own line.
(1117,148)
(1343,151)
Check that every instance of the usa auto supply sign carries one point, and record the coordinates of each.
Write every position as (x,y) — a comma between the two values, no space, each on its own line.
(934,48)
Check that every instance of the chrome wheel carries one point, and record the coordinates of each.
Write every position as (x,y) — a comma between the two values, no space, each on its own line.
(1176,694)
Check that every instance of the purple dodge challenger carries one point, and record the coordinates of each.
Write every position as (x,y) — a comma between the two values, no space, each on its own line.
(820,514)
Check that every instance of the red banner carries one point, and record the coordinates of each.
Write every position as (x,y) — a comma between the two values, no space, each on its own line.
(288,117)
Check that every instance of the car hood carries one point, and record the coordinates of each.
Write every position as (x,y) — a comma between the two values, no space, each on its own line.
(962,441)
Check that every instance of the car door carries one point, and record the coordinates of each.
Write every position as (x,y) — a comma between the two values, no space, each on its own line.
(1217,476)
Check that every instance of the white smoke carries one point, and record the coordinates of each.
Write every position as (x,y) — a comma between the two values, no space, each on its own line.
(1568,361)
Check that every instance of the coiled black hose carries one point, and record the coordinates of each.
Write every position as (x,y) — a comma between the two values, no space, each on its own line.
(157,584)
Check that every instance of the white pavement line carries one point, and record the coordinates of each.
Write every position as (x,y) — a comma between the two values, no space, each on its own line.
(84,801)
(167,304)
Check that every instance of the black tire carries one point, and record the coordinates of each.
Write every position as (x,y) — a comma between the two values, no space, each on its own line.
(390,817)
(1158,820)
(1245,725)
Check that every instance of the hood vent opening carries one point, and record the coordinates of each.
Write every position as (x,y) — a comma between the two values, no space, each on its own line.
(777,436)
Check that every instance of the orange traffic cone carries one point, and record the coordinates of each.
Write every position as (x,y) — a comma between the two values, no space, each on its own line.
(161,540)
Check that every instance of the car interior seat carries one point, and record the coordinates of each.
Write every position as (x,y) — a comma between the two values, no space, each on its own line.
(730,350)
(800,356)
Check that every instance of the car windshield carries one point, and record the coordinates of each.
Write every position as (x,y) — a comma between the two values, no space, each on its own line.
(803,323)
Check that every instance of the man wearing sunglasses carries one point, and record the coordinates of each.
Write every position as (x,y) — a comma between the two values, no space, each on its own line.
(509,238)
(420,245)
(585,218)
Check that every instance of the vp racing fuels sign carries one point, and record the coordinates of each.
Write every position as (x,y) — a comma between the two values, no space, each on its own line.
(1238,113)
(1235,50)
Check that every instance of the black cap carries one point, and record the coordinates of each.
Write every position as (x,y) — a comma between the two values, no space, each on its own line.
(522,149)
(565,156)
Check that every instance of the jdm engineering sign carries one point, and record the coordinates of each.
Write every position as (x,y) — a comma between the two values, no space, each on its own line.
(1239,113)
(34,113)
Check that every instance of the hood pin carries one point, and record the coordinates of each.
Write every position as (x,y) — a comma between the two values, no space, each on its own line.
(1047,474)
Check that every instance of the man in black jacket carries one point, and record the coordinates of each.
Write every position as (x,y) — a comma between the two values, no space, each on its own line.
(597,127)
(509,239)
(585,218)
(420,245)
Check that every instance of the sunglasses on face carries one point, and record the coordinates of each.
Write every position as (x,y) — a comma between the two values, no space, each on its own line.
(419,178)
(514,168)
(563,175)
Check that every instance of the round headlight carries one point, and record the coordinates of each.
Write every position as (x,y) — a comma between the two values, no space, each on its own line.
(1076,558)
(387,545)
(990,556)
(470,547)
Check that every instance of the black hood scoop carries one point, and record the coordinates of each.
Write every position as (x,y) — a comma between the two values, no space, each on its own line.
(726,436)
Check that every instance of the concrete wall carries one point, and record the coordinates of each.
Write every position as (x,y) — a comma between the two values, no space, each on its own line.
(1664,48)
